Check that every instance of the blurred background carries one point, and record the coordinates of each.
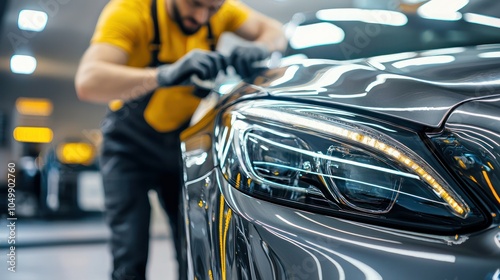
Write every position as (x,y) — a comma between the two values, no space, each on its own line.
(53,139)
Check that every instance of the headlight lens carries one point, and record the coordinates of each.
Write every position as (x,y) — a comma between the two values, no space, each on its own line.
(476,166)
(326,160)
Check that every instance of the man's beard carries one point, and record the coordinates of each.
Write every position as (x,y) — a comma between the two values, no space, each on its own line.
(178,19)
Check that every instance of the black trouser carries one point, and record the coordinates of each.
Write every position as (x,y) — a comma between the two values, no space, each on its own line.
(128,215)
(135,159)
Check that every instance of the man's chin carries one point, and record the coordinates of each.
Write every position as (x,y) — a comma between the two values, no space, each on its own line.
(190,30)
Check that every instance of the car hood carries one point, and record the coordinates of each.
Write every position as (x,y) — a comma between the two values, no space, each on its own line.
(417,87)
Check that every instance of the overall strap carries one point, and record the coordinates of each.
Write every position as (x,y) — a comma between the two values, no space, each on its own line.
(156,43)
(210,37)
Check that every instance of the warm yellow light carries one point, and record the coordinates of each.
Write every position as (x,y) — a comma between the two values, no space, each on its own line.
(238,181)
(492,188)
(115,105)
(490,165)
(33,134)
(461,163)
(396,154)
(473,179)
(76,153)
(34,106)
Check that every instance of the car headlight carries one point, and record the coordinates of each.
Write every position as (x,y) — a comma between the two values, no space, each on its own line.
(342,164)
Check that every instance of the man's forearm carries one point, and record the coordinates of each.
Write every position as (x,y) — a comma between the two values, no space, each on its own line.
(101,82)
(272,36)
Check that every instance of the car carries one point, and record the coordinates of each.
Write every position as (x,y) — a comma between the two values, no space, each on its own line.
(377,167)
(71,184)
(61,182)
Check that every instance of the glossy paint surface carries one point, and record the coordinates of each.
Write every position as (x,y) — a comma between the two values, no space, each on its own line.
(416,87)
(232,235)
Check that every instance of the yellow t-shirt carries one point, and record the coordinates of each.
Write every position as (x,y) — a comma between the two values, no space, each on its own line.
(128,25)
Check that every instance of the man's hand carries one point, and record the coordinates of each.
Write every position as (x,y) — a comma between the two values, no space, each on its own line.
(242,58)
(204,64)
(201,92)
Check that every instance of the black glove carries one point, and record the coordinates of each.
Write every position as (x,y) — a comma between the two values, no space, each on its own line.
(201,92)
(204,64)
(242,58)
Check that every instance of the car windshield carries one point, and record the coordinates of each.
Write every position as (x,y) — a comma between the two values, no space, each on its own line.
(351,33)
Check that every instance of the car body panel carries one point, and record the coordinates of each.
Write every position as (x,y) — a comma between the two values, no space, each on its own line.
(303,245)
(475,126)
(423,90)
(257,239)
(232,235)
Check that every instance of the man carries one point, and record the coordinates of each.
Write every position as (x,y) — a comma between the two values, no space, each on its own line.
(141,56)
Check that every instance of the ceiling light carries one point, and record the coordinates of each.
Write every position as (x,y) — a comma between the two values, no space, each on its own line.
(489,55)
(316,34)
(384,17)
(482,19)
(442,9)
(33,134)
(34,106)
(22,64)
(31,20)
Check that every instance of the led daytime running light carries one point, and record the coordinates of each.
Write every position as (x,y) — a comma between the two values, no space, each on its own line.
(365,140)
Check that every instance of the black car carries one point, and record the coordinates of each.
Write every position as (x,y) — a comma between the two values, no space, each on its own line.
(368,170)
(375,167)
(71,184)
